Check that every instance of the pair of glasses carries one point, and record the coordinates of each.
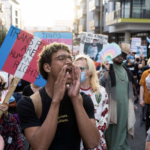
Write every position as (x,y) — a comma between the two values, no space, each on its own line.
(63,58)
(82,68)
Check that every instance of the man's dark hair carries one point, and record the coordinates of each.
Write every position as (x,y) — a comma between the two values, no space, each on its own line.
(46,56)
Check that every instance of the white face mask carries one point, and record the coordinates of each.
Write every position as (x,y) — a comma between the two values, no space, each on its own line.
(132,61)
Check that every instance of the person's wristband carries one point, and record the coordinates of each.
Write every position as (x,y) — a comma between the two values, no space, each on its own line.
(143,59)
(107,70)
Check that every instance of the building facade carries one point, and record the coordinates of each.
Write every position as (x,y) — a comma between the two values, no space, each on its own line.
(12,14)
(119,19)
(125,19)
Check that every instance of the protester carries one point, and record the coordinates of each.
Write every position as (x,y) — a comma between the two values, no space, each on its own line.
(148,140)
(133,67)
(147,66)
(121,118)
(19,89)
(145,93)
(7,77)
(66,115)
(90,86)
(30,89)
(9,129)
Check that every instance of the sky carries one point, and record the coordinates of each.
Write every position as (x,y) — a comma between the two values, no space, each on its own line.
(45,12)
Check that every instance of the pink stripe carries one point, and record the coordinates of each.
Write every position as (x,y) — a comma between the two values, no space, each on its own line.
(66,41)
(31,73)
(17,52)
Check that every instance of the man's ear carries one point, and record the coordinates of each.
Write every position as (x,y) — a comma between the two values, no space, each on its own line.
(47,68)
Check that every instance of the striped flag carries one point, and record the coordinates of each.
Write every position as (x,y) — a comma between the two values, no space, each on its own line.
(19,55)
(59,37)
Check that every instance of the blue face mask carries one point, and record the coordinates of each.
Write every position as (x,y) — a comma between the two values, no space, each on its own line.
(132,61)
(83,78)
(94,44)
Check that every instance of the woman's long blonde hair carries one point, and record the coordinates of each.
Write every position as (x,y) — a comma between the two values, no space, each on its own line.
(94,82)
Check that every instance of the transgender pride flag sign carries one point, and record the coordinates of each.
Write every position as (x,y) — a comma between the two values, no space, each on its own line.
(19,55)
(59,37)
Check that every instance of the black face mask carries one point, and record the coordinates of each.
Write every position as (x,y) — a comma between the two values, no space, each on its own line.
(137,59)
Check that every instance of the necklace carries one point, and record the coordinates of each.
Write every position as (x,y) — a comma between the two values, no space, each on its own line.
(122,80)
(116,68)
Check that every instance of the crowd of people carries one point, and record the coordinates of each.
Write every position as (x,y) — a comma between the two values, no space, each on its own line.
(81,107)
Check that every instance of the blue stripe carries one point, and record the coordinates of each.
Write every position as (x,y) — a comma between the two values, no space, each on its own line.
(54,35)
(8,44)
(40,82)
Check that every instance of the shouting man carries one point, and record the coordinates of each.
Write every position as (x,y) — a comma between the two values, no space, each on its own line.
(67,116)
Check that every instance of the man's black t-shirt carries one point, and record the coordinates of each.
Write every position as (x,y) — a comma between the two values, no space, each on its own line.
(27,91)
(67,135)
(133,68)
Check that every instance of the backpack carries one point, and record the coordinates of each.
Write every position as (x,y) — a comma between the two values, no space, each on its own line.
(37,102)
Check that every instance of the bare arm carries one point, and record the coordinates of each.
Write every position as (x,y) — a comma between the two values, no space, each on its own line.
(141,95)
(46,131)
(87,127)
(140,66)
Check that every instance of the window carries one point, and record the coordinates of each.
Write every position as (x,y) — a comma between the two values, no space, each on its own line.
(16,13)
(16,20)
(138,2)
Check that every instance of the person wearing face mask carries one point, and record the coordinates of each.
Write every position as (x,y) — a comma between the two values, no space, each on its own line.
(90,86)
(134,67)
(92,50)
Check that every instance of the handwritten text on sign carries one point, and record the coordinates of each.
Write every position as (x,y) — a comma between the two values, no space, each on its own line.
(20,58)
(59,37)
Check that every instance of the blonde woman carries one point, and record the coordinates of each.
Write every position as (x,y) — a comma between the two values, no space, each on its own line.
(90,86)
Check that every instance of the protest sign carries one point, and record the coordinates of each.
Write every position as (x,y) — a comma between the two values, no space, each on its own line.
(109,52)
(76,49)
(134,43)
(19,55)
(92,44)
(142,50)
(59,37)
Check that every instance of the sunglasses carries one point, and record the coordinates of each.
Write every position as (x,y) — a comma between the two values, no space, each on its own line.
(82,68)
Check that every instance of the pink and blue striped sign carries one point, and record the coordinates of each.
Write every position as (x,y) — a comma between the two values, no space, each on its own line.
(19,55)
(59,37)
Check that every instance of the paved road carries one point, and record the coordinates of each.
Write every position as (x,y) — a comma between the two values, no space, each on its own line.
(138,143)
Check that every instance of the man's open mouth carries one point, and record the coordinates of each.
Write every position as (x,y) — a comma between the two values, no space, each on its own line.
(69,70)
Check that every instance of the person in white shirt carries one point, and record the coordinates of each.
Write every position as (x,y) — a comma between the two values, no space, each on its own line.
(90,86)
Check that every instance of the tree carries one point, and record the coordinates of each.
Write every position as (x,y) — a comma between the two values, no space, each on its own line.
(3,33)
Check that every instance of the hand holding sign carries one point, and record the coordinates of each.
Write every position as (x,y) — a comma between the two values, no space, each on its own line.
(109,52)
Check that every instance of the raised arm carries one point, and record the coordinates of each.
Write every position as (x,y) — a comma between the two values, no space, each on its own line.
(87,127)
(45,133)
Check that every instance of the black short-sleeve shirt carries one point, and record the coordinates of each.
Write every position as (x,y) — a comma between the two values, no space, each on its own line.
(67,134)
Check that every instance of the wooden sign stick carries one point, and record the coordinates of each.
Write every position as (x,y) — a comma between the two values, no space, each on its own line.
(10,92)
